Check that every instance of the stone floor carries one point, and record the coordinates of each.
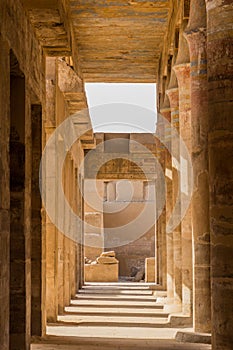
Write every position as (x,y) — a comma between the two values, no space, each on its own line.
(113,316)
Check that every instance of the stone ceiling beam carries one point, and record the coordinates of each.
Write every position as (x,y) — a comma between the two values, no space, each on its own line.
(51,25)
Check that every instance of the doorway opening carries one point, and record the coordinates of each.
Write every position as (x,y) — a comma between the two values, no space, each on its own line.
(120,210)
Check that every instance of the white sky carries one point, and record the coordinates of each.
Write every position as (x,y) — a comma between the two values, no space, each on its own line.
(120,117)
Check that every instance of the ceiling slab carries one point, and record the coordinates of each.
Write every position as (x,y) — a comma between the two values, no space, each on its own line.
(119,40)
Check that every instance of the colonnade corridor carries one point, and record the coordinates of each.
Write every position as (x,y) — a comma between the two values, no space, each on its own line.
(114,238)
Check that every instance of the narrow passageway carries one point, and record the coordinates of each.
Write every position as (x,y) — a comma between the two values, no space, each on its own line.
(115,316)
(116,229)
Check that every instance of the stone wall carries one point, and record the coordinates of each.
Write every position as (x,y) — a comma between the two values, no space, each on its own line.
(22,70)
(126,211)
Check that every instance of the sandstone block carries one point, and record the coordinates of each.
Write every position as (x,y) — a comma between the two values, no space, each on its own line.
(106,260)
(150,270)
(110,254)
(101,273)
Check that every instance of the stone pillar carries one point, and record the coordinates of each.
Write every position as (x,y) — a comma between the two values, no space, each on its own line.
(20,206)
(220,87)
(36,228)
(51,255)
(60,272)
(73,243)
(82,235)
(28,212)
(77,253)
(70,197)
(161,221)
(195,34)
(43,236)
(4,192)
(173,95)
(66,241)
(182,70)
(166,113)
(51,231)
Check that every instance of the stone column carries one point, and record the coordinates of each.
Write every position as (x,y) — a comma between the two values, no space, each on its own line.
(220,87)
(182,70)
(70,197)
(74,244)
(36,225)
(161,221)
(195,34)
(60,245)
(51,231)
(77,210)
(66,242)
(173,95)
(51,254)
(20,207)
(4,192)
(166,113)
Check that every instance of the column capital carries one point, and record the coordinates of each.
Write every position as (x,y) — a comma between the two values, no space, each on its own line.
(172,92)
(165,110)
(197,34)
(182,70)
(197,17)
(183,51)
(173,95)
(197,43)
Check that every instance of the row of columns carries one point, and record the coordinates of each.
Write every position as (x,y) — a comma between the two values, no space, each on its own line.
(199,264)
(63,260)
(188,281)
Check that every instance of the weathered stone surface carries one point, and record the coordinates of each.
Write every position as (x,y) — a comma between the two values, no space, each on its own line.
(173,95)
(109,254)
(126,43)
(4,193)
(150,271)
(196,36)
(220,125)
(107,260)
(101,273)
(140,275)
(182,70)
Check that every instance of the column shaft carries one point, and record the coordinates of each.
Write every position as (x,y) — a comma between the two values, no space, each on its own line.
(161,222)
(166,113)
(4,192)
(173,95)
(51,255)
(196,36)
(183,76)
(220,87)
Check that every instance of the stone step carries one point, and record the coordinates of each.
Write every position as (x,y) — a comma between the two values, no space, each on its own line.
(93,343)
(111,291)
(115,311)
(116,303)
(121,286)
(110,318)
(115,297)
(112,332)
(116,321)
